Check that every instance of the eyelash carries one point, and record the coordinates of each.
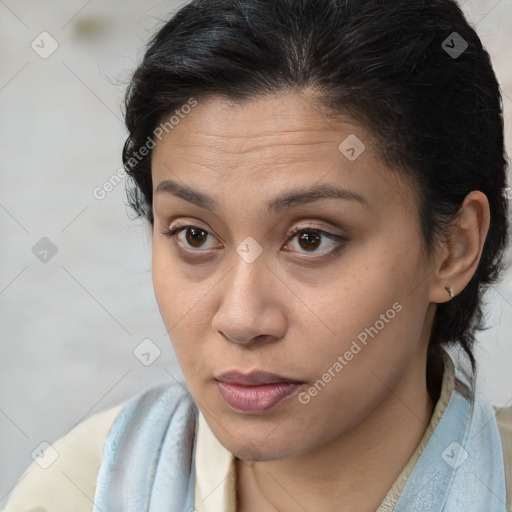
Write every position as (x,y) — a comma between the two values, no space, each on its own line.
(340,240)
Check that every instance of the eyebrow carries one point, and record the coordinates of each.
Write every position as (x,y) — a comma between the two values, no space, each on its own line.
(292,198)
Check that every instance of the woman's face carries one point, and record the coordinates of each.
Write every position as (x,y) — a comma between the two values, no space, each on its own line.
(340,307)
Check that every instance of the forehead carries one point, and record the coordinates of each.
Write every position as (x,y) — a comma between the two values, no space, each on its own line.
(257,126)
(268,143)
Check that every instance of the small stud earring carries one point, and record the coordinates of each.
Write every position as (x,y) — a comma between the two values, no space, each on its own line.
(449,290)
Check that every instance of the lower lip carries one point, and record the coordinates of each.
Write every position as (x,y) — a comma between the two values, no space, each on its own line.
(256,399)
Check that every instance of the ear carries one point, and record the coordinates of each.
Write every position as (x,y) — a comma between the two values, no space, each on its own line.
(458,258)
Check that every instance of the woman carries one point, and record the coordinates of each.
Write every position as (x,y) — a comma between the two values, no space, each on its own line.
(325,185)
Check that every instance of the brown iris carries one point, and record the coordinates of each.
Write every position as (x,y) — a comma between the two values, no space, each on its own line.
(310,237)
(196,237)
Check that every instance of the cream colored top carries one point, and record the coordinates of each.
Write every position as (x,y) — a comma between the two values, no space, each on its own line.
(70,482)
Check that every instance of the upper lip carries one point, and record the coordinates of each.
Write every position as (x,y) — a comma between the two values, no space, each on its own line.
(254,378)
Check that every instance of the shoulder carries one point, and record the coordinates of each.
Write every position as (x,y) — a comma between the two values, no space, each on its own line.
(64,477)
(65,472)
(504,422)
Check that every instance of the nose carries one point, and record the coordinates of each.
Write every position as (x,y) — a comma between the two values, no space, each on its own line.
(251,308)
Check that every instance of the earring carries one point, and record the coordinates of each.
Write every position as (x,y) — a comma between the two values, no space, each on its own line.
(449,290)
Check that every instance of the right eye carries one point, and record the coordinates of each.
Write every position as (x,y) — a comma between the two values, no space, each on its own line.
(190,238)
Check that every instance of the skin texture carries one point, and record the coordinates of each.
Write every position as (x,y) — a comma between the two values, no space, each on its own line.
(295,309)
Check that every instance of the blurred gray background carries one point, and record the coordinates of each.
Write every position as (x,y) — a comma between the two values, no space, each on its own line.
(76,296)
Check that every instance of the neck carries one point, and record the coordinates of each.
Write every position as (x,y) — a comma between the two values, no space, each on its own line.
(355,471)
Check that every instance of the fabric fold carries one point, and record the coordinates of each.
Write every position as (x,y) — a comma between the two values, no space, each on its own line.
(149,453)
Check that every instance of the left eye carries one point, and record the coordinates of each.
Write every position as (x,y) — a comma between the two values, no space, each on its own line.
(309,239)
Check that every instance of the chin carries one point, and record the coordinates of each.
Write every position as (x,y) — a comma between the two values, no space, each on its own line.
(251,449)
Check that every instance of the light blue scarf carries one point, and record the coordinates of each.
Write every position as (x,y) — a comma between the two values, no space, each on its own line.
(148,463)
(148,458)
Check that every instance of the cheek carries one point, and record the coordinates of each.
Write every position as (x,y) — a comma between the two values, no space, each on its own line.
(358,299)
(174,293)
(183,306)
(375,328)
(163,283)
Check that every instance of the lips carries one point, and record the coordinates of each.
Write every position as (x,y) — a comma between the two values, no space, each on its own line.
(257,392)
(254,378)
